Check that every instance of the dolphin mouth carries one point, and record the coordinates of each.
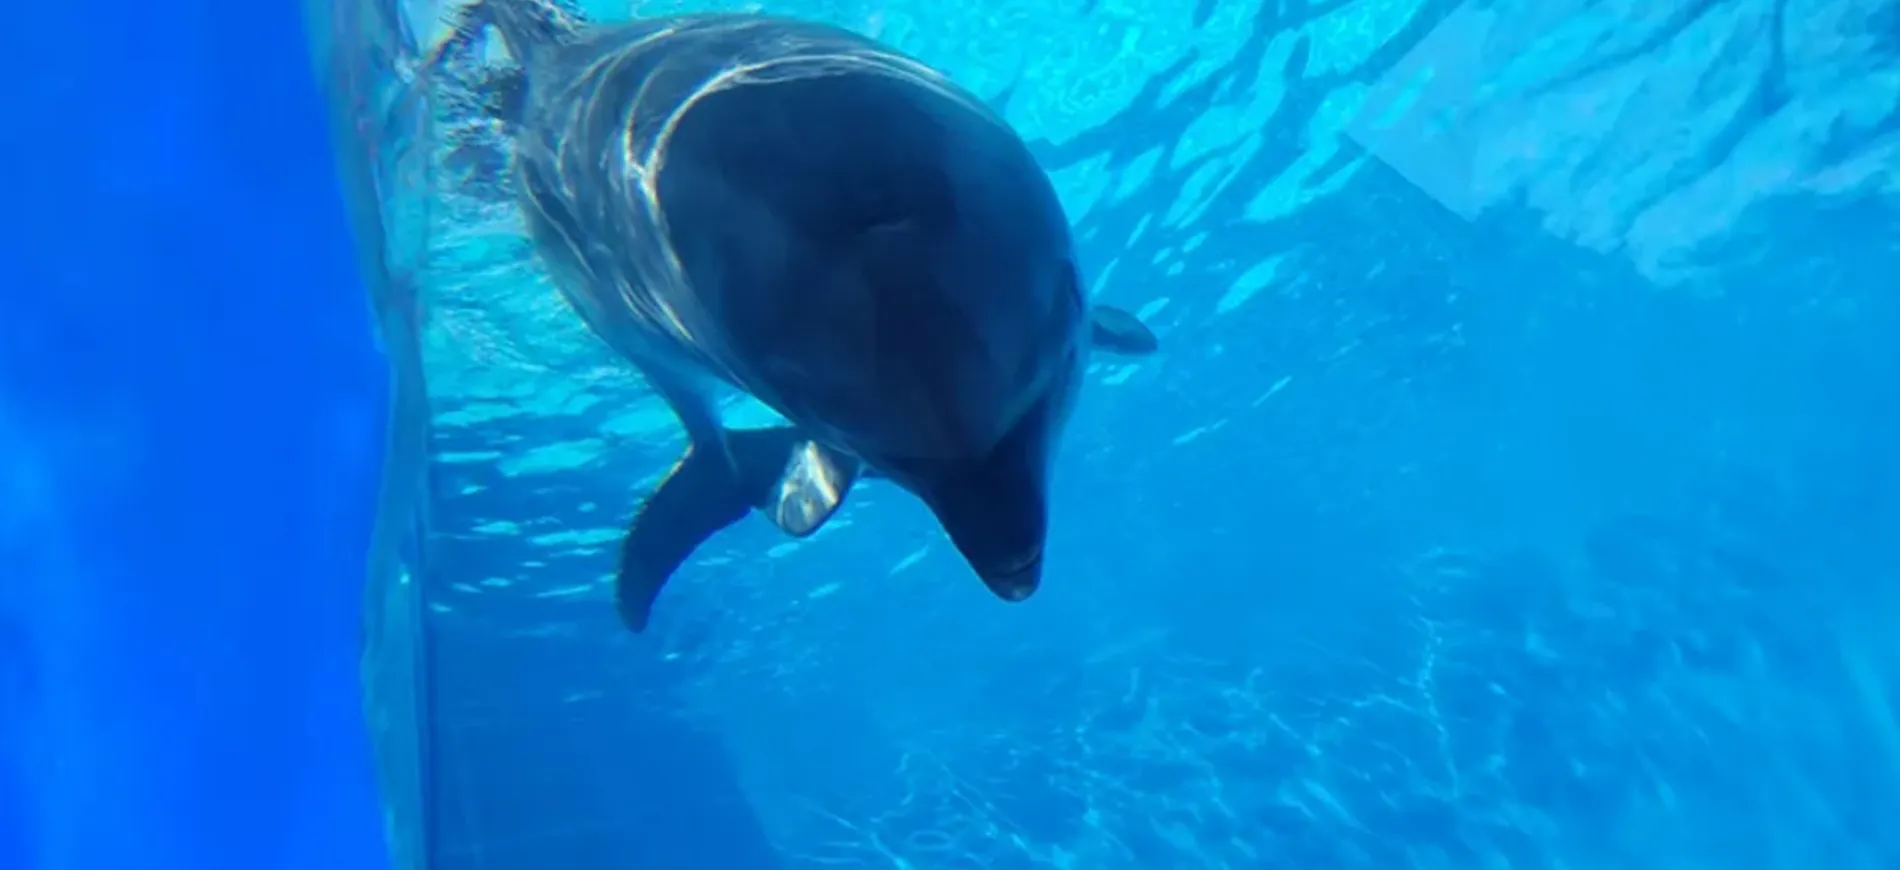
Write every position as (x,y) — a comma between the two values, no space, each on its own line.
(1021,563)
(1018,578)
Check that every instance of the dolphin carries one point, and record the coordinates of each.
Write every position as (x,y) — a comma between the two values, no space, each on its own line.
(799,213)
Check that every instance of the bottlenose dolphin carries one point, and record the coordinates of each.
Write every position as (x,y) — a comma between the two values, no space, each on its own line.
(800,213)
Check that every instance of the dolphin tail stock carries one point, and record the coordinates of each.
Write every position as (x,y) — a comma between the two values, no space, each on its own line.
(1117,331)
(796,482)
(527,27)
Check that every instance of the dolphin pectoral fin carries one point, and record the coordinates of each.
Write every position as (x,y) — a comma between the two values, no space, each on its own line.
(1117,331)
(698,498)
(813,487)
(796,482)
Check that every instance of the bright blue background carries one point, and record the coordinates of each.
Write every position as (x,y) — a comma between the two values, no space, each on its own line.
(189,390)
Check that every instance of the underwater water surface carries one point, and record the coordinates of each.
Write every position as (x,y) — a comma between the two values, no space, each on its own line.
(1516,486)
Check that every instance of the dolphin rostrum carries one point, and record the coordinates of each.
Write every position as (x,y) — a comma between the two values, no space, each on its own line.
(803,214)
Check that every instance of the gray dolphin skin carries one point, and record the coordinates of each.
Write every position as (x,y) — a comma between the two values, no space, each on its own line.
(800,213)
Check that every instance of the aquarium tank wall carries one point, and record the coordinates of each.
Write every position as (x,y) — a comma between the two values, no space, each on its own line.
(1515,487)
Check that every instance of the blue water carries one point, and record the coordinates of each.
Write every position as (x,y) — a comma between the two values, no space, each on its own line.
(1512,492)
(189,405)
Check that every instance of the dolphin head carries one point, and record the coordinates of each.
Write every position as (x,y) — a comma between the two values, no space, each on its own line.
(995,505)
(984,330)
(890,269)
(975,404)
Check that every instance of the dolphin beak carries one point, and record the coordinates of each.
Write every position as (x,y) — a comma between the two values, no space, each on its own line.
(995,508)
(1017,580)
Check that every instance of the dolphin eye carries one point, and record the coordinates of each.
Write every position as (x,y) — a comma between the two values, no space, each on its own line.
(897,196)
(872,207)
